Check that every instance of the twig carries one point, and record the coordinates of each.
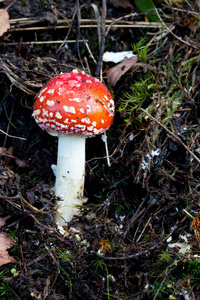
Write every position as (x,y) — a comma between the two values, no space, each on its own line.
(10,4)
(12,136)
(102,44)
(143,230)
(177,37)
(43,42)
(187,213)
(172,134)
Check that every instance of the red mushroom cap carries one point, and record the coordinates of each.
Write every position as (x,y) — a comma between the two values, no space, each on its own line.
(74,103)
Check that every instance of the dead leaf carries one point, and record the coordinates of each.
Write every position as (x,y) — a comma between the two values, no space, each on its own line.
(121,3)
(114,74)
(8,152)
(6,242)
(22,164)
(196,225)
(4,21)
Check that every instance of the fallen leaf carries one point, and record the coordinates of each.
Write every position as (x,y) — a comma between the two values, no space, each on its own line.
(6,242)
(4,21)
(22,164)
(114,74)
(121,3)
(196,225)
(8,152)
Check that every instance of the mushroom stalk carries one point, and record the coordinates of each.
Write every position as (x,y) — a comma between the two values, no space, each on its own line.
(70,174)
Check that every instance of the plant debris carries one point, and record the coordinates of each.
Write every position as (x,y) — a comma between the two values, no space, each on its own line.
(4,21)
(6,242)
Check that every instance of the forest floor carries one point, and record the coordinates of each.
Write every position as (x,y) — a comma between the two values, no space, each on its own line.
(138,236)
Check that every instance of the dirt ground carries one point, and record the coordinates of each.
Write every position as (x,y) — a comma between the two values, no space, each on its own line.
(138,236)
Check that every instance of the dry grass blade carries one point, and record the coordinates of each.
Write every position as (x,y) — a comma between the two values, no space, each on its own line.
(15,80)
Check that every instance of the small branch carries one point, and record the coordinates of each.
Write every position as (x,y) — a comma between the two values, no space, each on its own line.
(12,136)
(10,5)
(172,134)
(187,213)
(103,32)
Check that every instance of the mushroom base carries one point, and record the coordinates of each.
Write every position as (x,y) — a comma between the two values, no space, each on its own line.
(70,175)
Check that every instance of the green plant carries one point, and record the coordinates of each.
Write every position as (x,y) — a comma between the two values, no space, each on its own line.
(13,233)
(5,291)
(158,86)
(64,256)
(141,49)
(14,272)
(193,270)
(165,257)
(99,264)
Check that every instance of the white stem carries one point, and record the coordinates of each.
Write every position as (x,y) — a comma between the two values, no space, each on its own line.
(70,175)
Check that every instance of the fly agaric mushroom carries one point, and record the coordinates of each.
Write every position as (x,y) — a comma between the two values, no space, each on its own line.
(72,106)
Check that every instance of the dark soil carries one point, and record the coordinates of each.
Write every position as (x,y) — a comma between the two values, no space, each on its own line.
(128,241)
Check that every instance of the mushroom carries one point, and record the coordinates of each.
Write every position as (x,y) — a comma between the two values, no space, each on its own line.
(72,106)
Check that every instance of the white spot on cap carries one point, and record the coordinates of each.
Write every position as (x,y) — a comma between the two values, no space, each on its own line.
(50,102)
(42,98)
(111,106)
(36,112)
(94,123)
(85,120)
(41,120)
(82,110)
(58,115)
(96,131)
(45,112)
(75,71)
(69,109)
(90,128)
(102,121)
(53,126)
(66,120)
(88,81)
(51,114)
(51,91)
(72,82)
(82,127)
(61,90)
